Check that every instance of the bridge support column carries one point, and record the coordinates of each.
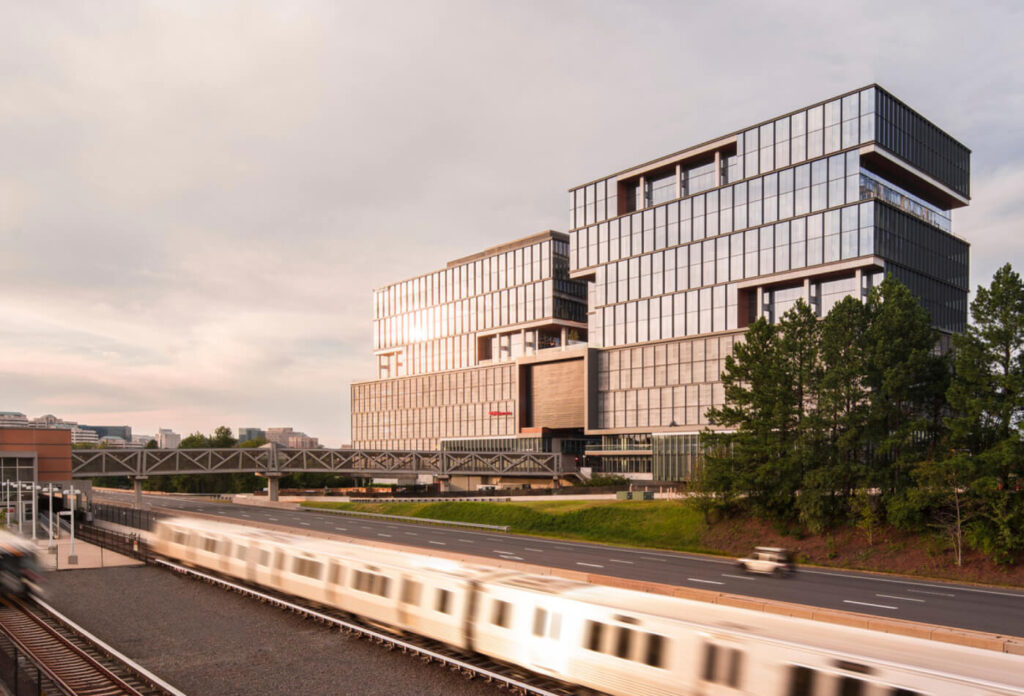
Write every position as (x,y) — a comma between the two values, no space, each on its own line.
(137,481)
(273,485)
(443,484)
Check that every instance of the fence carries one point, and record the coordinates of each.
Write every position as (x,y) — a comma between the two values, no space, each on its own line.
(125,544)
(128,517)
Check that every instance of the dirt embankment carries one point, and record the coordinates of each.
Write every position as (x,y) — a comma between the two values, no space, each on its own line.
(890,551)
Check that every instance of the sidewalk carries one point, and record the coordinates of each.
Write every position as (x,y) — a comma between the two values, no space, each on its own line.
(89,556)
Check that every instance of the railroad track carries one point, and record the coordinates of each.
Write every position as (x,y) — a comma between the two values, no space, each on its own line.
(74,662)
(516,680)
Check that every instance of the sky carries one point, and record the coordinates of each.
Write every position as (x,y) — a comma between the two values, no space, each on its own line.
(198,198)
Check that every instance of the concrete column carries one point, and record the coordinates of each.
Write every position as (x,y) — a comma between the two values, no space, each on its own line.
(807,292)
(858,278)
(679,181)
(137,481)
(760,303)
(718,168)
(273,483)
(565,336)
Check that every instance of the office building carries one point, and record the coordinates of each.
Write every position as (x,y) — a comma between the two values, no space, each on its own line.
(677,256)
(122,432)
(246,434)
(167,438)
(485,354)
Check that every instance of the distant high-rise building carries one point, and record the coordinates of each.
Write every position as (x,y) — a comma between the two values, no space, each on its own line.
(121,431)
(301,441)
(167,438)
(246,434)
(83,435)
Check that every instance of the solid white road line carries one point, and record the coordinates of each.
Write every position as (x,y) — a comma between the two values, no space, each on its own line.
(707,582)
(738,577)
(869,604)
(892,596)
(589,565)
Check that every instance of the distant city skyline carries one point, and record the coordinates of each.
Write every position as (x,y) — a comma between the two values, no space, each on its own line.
(197,201)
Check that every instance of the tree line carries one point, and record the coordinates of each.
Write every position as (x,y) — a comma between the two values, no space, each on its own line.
(869,416)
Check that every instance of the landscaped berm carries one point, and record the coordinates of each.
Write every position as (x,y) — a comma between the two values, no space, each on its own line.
(680,526)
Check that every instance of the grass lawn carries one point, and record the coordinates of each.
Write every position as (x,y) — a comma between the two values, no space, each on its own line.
(663,524)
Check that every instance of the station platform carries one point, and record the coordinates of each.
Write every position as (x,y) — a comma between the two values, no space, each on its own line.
(88,556)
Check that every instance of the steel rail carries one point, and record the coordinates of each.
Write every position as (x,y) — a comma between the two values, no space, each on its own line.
(67,665)
(425,653)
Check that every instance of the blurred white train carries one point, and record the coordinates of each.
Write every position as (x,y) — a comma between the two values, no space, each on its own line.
(596,638)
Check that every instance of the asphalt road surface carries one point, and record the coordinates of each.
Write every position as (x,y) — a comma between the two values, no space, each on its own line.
(995,610)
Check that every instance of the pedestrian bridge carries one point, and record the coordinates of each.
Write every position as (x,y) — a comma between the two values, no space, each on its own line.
(274,462)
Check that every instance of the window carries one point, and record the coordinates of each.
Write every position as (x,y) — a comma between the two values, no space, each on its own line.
(240,552)
(307,567)
(594,636)
(209,544)
(623,643)
(500,613)
(443,598)
(264,557)
(540,618)
(410,592)
(655,650)
(722,665)
(849,686)
(801,681)
(180,538)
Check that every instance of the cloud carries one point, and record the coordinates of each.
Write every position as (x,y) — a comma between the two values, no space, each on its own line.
(196,199)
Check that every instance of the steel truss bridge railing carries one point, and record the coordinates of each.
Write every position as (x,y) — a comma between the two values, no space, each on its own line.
(277,461)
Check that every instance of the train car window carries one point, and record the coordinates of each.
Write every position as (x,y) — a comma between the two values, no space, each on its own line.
(735,668)
(499,613)
(264,557)
(801,681)
(540,619)
(655,648)
(240,552)
(594,635)
(710,656)
(442,601)
(209,544)
(180,538)
(555,627)
(622,645)
(308,567)
(336,576)
(848,686)
(410,592)
(897,691)
(383,583)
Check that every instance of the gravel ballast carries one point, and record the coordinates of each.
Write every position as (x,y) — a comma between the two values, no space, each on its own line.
(205,640)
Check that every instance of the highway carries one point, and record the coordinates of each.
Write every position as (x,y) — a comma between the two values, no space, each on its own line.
(994,610)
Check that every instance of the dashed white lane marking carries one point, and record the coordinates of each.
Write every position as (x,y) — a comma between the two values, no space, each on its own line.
(706,582)
(905,599)
(500,552)
(869,604)
(936,594)
(589,565)
(272,519)
(342,529)
(383,534)
(652,558)
(619,560)
(244,515)
(513,558)
(466,541)
(439,543)
(738,577)
(304,524)
(411,534)
(534,550)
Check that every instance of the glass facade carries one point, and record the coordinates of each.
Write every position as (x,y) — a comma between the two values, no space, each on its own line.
(682,254)
(663,268)
(445,343)
(469,312)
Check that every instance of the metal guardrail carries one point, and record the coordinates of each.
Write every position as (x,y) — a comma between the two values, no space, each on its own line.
(419,520)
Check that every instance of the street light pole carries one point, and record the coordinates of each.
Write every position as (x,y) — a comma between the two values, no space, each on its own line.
(49,540)
(35,503)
